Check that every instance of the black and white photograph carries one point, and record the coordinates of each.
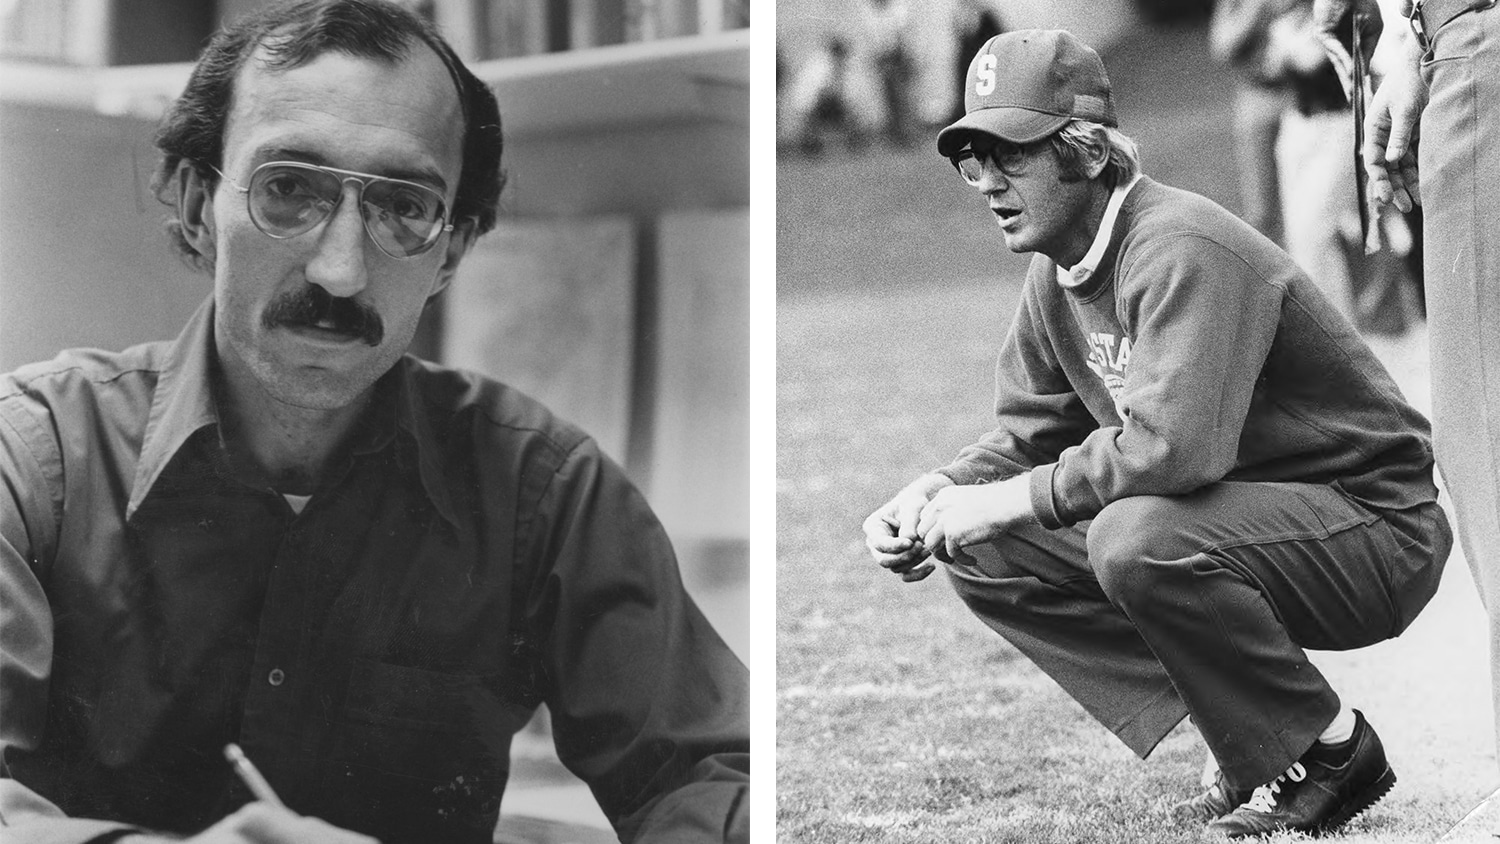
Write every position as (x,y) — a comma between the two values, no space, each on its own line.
(1069,422)
(375,421)
(1137,428)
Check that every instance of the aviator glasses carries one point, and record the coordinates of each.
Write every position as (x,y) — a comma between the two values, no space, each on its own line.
(288,198)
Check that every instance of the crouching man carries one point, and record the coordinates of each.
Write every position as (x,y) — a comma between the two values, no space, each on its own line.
(1198,468)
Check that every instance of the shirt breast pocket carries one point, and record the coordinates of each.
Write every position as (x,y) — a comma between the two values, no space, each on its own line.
(400,696)
(417,751)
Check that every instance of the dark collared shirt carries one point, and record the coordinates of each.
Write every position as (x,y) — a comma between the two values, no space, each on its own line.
(469,558)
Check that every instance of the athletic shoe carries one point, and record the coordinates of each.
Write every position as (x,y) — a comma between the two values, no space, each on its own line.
(1218,800)
(1329,785)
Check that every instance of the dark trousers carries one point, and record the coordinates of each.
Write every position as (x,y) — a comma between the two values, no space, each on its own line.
(1201,604)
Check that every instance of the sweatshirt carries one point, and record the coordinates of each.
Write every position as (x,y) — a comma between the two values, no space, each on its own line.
(1196,352)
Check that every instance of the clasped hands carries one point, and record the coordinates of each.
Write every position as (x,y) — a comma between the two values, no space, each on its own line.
(933,517)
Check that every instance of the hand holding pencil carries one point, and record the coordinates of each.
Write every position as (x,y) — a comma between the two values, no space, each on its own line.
(251,776)
(267,820)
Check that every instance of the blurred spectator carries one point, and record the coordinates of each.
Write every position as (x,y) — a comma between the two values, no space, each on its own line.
(1172,11)
(883,40)
(974,22)
(1294,101)
(1237,38)
(1376,288)
(816,106)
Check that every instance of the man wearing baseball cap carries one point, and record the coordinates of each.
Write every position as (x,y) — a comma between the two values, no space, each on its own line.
(1198,468)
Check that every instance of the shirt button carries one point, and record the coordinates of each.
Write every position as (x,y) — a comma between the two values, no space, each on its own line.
(277,677)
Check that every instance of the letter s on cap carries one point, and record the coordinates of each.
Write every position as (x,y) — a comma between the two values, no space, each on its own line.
(986,73)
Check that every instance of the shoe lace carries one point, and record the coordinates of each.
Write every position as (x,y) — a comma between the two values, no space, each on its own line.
(1264,798)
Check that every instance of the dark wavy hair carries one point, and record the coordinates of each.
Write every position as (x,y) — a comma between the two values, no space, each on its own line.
(293,34)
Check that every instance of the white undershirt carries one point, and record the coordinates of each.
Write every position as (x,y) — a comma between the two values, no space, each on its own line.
(1082,271)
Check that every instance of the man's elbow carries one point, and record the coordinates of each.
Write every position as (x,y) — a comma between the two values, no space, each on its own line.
(1181,468)
(713,807)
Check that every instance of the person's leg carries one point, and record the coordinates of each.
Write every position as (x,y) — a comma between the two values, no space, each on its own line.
(1258,111)
(894,84)
(1460,170)
(1311,153)
(1228,584)
(1035,588)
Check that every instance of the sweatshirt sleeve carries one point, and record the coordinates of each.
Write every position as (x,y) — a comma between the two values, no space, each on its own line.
(1201,322)
(1039,414)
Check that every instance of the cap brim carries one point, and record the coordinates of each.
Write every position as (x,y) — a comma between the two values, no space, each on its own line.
(1009,123)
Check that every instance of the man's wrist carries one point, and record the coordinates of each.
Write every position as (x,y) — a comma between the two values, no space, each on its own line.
(1020,492)
(931,482)
(1410,56)
(1406,78)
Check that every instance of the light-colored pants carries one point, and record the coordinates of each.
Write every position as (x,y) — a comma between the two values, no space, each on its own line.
(1375,291)
(1460,169)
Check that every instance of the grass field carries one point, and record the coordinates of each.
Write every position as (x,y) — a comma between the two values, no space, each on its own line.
(900,717)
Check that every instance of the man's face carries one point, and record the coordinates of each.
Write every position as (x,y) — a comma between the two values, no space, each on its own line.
(398,120)
(1037,211)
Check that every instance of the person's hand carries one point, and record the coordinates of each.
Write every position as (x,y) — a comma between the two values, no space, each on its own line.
(960,516)
(1326,17)
(1391,129)
(891,531)
(262,823)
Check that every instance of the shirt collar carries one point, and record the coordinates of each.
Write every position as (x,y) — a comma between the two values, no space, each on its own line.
(1080,273)
(183,403)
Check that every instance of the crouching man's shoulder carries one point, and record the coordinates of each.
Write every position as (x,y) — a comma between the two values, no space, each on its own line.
(1177,219)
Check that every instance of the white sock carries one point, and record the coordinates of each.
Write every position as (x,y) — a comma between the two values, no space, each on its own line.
(1341,728)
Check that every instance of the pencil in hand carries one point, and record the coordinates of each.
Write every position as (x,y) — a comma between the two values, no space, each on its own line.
(251,775)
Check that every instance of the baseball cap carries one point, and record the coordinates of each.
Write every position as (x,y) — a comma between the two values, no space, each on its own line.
(1024,85)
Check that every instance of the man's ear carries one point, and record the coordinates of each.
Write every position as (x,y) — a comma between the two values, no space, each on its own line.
(460,241)
(195,210)
(1096,157)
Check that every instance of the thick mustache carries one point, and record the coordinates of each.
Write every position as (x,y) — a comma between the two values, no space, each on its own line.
(310,305)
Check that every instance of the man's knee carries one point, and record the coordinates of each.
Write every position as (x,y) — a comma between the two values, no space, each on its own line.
(1130,540)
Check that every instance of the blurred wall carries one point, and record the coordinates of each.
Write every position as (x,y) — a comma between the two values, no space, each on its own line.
(83,260)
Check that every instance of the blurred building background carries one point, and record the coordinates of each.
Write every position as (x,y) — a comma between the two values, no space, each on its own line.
(615,287)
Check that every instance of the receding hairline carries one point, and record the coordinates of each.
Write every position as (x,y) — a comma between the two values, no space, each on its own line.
(261,60)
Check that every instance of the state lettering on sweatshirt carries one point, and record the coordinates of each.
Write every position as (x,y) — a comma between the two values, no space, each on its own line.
(1108,358)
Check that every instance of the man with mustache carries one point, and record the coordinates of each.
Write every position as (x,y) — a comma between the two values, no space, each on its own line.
(1198,468)
(311,306)
(279,531)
